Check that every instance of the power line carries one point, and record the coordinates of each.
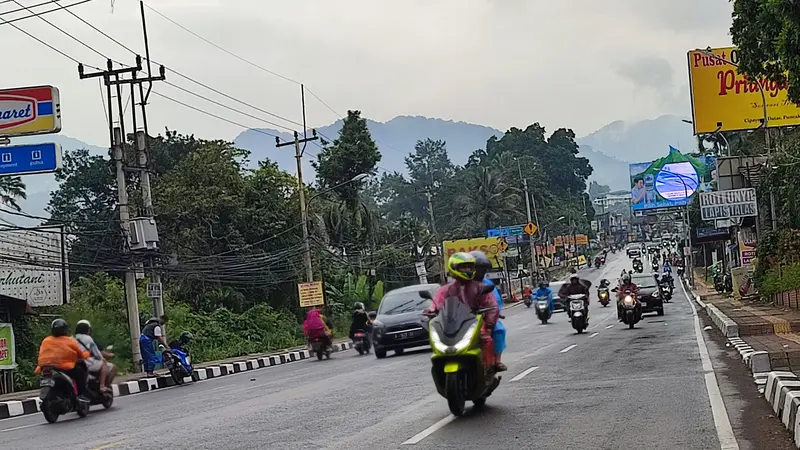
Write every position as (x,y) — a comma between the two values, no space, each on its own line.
(38,14)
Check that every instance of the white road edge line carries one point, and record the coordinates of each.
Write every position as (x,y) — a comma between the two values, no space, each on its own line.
(610,326)
(593,335)
(568,348)
(727,439)
(430,430)
(524,374)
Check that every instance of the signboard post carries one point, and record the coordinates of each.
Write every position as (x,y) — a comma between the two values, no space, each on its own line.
(7,355)
(728,204)
(422,273)
(311,294)
(154,290)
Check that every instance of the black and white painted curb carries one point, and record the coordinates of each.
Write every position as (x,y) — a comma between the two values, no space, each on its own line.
(782,391)
(31,405)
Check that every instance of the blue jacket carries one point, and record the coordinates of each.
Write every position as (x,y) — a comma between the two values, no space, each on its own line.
(546,292)
(489,282)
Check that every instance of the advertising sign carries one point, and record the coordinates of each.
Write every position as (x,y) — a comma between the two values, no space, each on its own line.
(34,266)
(32,110)
(558,241)
(581,239)
(7,356)
(29,159)
(490,246)
(721,95)
(311,294)
(708,235)
(743,283)
(747,246)
(728,204)
(670,181)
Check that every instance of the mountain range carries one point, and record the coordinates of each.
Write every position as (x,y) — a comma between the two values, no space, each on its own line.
(609,149)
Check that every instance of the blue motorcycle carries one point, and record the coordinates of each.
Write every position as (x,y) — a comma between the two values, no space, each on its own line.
(178,362)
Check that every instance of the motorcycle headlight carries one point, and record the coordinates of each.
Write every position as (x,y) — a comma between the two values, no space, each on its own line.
(628,300)
(460,345)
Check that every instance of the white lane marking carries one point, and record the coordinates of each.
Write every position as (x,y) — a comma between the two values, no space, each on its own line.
(20,427)
(727,439)
(430,430)
(568,348)
(610,326)
(593,335)
(524,374)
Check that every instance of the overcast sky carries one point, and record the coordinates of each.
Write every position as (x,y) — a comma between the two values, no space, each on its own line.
(502,63)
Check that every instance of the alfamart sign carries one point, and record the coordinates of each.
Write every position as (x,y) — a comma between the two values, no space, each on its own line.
(730,204)
(31,110)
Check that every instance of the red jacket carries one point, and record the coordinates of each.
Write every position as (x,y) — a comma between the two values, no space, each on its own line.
(470,294)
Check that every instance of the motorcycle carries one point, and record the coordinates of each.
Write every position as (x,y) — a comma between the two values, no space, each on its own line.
(528,301)
(602,260)
(680,270)
(543,309)
(654,265)
(631,309)
(638,267)
(727,282)
(718,283)
(361,342)
(578,312)
(178,362)
(597,261)
(589,263)
(461,369)
(59,395)
(603,295)
(319,348)
(666,292)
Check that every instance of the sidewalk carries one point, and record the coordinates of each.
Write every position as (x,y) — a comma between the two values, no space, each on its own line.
(762,326)
(123,379)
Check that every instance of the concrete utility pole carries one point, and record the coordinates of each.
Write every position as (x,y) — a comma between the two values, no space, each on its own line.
(298,154)
(435,234)
(534,258)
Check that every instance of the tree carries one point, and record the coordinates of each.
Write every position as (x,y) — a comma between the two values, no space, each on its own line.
(767,33)
(429,164)
(485,201)
(11,190)
(353,153)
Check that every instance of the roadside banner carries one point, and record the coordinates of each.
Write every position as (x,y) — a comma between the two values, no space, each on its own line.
(743,284)
(7,355)
(490,246)
(725,100)
(558,241)
(581,239)
(311,294)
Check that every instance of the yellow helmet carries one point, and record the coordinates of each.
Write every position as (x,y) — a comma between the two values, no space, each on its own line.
(461,265)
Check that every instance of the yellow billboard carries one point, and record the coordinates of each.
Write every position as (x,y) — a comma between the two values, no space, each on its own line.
(490,246)
(311,294)
(724,100)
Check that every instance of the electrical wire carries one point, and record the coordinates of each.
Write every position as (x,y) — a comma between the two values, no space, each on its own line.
(39,14)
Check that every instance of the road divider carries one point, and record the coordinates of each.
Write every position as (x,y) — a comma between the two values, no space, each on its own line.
(15,408)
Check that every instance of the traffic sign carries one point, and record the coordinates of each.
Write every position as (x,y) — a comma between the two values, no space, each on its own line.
(503,245)
(29,159)
(513,230)
(530,228)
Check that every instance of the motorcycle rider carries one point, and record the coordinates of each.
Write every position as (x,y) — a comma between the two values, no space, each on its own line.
(96,363)
(152,333)
(666,278)
(314,327)
(360,321)
(63,352)
(576,286)
(482,267)
(527,292)
(182,342)
(462,266)
(626,285)
(544,291)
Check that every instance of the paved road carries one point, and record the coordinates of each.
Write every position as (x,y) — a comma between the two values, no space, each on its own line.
(609,388)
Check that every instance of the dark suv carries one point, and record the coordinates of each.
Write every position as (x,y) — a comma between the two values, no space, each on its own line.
(399,323)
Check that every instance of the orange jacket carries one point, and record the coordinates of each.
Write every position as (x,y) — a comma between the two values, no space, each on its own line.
(61,352)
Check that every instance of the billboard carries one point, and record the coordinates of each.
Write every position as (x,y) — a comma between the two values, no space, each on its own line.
(33,266)
(31,110)
(730,204)
(311,294)
(720,94)
(490,246)
(670,181)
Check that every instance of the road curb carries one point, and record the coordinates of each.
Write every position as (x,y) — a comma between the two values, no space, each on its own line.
(728,327)
(27,406)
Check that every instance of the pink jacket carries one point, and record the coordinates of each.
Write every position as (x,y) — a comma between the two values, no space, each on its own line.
(469,293)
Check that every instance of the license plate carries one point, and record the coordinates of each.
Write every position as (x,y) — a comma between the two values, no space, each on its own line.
(644,303)
(47,382)
(401,336)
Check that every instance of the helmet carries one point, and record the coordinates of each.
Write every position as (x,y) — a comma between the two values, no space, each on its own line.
(482,263)
(358,305)
(186,337)
(626,278)
(462,265)
(83,327)
(543,285)
(59,327)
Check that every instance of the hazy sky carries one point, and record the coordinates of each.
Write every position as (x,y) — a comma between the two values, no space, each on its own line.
(502,63)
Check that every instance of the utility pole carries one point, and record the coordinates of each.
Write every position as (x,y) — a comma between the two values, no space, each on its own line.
(436,235)
(534,258)
(298,154)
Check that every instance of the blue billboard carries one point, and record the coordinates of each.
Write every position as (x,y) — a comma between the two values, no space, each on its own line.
(29,159)
(671,181)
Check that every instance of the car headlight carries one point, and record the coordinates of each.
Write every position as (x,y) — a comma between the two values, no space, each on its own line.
(378,327)
(460,345)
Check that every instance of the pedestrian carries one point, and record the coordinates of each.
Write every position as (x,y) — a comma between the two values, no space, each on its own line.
(152,333)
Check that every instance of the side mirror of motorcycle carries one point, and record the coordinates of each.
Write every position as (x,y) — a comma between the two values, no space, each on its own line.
(425,294)
(616,289)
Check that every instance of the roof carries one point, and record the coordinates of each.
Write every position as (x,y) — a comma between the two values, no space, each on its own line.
(15,306)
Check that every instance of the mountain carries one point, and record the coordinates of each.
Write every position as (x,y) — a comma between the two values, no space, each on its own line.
(641,141)
(39,186)
(609,149)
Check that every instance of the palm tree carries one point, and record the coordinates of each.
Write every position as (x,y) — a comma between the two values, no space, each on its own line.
(486,200)
(11,190)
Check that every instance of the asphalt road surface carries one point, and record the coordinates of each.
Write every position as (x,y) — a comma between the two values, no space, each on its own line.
(611,388)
